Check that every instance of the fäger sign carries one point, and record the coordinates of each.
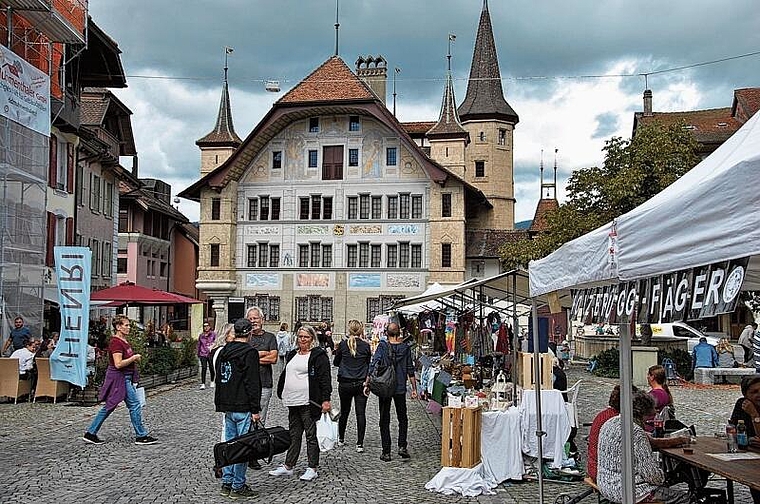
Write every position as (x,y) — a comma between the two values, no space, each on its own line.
(691,294)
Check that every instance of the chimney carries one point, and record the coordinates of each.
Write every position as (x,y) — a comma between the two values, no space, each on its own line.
(373,71)
(647,102)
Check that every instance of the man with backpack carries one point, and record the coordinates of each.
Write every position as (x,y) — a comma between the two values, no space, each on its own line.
(398,354)
(238,396)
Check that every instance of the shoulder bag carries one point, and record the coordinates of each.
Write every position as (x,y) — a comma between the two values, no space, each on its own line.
(382,380)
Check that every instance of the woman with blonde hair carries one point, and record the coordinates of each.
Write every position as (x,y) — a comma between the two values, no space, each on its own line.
(304,387)
(726,358)
(352,357)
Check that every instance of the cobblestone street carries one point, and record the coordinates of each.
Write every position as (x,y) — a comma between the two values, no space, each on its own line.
(45,461)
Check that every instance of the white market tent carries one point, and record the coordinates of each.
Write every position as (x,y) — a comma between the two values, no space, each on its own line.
(711,214)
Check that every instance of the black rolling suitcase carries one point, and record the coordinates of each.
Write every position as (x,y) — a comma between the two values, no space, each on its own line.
(262,443)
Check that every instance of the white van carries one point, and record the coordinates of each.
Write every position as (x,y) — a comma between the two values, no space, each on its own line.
(679,330)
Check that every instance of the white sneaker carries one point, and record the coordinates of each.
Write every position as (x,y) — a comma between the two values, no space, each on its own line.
(282,470)
(203,386)
(359,449)
(309,474)
(212,385)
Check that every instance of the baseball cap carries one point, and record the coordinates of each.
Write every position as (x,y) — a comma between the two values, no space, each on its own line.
(242,327)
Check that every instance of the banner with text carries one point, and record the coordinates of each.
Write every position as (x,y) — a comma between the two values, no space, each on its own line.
(69,359)
(693,294)
(24,92)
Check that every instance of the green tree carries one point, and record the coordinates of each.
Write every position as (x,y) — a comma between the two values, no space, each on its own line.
(633,171)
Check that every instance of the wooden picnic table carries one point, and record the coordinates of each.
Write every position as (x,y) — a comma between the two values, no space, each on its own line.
(710,454)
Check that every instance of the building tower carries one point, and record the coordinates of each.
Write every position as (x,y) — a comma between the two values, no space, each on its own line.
(222,141)
(490,121)
(218,213)
(547,202)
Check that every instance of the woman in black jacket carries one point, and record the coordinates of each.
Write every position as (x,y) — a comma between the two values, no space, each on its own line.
(304,386)
(352,358)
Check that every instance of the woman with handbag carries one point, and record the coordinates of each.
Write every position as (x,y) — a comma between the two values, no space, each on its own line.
(119,385)
(304,387)
(398,354)
(352,358)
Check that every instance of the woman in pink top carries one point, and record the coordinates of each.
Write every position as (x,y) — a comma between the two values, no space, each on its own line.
(659,391)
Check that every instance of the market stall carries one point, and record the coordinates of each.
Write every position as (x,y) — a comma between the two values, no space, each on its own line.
(485,308)
(707,217)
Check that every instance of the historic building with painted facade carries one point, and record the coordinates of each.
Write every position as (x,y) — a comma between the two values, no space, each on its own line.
(331,209)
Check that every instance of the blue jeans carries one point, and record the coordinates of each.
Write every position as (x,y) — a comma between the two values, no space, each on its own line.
(135,412)
(235,424)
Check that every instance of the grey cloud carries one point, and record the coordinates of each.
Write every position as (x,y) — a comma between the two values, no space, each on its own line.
(606,125)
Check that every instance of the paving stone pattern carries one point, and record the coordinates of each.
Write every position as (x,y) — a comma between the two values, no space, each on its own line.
(44,459)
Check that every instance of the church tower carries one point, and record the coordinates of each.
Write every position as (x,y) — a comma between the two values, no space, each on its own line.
(490,121)
(222,141)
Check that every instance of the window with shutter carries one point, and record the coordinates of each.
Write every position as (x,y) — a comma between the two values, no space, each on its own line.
(332,162)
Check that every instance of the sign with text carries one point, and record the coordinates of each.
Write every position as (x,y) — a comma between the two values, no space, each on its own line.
(69,359)
(693,294)
(24,92)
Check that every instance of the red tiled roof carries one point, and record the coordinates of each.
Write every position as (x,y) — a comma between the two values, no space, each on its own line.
(542,209)
(746,103)
(332,81)
(488,242)
(417,128)
(707,126)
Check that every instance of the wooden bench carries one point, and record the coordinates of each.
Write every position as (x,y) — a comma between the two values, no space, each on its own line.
(707,375)
(10,384)
(46,387)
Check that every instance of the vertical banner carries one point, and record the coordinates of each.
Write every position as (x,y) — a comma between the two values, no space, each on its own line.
(69,359)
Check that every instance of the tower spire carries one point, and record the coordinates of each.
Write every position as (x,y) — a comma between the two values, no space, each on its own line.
(337,24)
(448,125)
(223,133)
(485,96)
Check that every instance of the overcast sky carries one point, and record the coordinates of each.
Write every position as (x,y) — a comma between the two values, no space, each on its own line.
(559,63)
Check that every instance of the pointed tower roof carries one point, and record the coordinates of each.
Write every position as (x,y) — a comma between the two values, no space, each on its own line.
(448,125)
(485,96)
(223,134)
(331,81)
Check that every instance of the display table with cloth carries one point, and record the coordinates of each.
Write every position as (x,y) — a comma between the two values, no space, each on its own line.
(501,454)
(555,423)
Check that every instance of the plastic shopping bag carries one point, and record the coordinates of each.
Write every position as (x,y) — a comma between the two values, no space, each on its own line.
(140,392)
(327,433)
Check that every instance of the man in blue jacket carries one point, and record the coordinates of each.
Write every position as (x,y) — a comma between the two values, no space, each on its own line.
(704,355)
(238,396)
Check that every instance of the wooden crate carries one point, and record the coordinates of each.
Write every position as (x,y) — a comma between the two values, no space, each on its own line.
(460,437)
(526,374)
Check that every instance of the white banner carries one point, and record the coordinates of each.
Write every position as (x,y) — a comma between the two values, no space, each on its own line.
(69,359)
(24,92)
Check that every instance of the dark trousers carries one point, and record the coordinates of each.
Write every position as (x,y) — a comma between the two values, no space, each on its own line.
(206,363)
(300,421)
(31,376)
(352,391)
(747,354)
(385,421)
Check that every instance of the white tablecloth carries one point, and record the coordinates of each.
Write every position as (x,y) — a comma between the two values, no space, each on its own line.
(555,422)
(501,454)
(501,446)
